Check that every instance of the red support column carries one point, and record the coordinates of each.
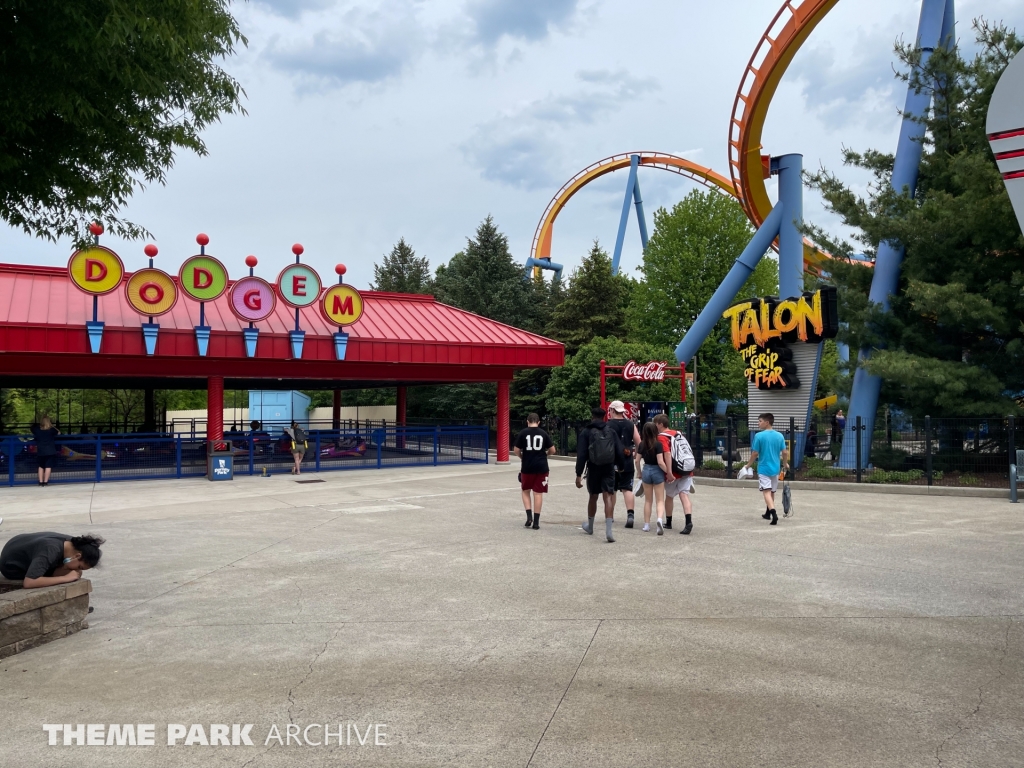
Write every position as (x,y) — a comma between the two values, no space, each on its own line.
(603,373)
(215,408)
(400,407)
(503,429)
(336,410)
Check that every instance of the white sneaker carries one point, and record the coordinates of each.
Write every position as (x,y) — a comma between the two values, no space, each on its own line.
(661,529)
(647,526)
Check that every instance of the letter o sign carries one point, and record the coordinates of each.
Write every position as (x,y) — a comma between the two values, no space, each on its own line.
(252,299)
(151,292)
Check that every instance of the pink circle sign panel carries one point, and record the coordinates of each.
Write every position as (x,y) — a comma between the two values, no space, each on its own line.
(252,299)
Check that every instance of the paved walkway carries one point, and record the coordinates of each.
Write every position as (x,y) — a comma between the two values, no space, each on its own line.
(865,631)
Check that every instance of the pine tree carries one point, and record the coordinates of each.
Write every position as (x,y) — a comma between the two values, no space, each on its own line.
(402,271)
(953,343)
(483,279)
(594,304)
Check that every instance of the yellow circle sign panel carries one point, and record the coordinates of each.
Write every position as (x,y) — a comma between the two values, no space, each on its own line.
(96,270)
(151,292)
(342,305)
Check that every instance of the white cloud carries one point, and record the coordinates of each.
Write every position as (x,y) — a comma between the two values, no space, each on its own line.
(521,19)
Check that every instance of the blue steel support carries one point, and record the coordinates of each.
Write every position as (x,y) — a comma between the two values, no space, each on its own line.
(543,264)
(620,238)
(791,242)
(731,285)
(12,445)
(885,282)
(641,219)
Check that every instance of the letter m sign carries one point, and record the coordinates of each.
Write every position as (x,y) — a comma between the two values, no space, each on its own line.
(342,307)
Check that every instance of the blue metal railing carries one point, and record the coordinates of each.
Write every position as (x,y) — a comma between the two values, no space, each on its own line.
(100,458)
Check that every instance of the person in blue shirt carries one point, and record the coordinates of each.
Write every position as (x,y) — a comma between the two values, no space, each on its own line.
(768,449)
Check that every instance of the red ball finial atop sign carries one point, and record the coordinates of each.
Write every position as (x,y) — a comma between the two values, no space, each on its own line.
(297,249)
(96,228)
(340,269)
(202,239)
(251,261)
(150,250)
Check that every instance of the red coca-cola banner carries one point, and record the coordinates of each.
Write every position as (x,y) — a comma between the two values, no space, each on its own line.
(653,371)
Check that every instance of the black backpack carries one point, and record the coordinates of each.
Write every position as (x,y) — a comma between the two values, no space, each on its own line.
(601,451)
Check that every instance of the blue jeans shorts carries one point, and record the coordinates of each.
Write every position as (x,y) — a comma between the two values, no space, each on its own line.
(652,474)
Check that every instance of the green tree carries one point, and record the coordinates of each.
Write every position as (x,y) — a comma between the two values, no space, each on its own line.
(483,279)
(402,271)
(575,388)
(953,343)
(97,96)
(691,250)
(594,305)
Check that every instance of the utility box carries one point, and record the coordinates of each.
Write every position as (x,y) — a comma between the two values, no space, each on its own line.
(277,410)
(220,460)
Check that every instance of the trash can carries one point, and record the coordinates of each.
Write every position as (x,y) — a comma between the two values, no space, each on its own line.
(220,460)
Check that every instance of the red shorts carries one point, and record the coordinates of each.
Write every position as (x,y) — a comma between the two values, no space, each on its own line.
(535,483)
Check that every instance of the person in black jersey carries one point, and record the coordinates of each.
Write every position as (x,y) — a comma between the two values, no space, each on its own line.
(47,559)
(533,445)
(629,436)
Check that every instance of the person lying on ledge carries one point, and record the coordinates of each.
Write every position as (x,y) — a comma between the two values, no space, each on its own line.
(47,559)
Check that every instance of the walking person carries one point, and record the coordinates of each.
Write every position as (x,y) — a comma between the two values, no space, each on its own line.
(46,448)
(629,436)
(679,480)
(598,451)
(533,445)
(656,466)
(299,446)
(768,449)
(47,559)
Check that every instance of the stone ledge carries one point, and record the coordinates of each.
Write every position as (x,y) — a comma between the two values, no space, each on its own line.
(32,617)
(898,490)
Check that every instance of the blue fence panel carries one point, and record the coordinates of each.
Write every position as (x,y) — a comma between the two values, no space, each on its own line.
(98,458)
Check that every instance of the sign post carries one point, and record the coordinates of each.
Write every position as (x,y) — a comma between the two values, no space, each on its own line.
(203,279)
(299,286)
(342,305)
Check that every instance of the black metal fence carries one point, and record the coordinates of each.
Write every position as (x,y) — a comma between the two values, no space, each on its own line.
(951,452)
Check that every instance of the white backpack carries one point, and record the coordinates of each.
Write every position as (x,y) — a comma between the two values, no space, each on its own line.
(683,462)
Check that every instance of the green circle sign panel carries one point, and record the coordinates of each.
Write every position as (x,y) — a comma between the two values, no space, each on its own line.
(298,285)
(203,278)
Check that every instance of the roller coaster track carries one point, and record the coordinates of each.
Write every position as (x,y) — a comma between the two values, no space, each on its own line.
(788,31)
(541,247)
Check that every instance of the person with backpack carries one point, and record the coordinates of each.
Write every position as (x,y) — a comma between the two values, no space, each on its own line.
(299,446)
(533,445)
(629,436)
(598,451)
(679,481)
(656,466)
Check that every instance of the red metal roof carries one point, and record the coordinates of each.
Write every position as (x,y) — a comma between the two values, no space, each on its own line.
(42,312)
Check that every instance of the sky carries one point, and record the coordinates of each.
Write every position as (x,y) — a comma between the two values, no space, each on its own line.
(372,121)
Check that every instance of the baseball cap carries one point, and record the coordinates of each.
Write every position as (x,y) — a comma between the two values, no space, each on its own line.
(617,405)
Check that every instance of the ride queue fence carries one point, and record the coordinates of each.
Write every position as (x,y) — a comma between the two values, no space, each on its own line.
(99,458)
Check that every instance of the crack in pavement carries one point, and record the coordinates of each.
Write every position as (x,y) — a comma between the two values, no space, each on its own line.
(309,671)
(565,693)
(961,724)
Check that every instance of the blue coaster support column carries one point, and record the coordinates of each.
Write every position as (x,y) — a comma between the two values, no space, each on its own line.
(632,197)
(935,28)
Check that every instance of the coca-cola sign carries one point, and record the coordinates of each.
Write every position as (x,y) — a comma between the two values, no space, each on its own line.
(634,371)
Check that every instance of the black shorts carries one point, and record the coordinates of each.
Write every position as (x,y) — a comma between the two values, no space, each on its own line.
(601,479)
(46,462)
(624,478)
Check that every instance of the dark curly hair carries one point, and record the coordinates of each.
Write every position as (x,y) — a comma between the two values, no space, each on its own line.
(89,546)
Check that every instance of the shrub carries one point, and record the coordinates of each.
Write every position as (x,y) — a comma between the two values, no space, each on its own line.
(910,476)
(824,472)
(968,479)
(888,458)
(713,464)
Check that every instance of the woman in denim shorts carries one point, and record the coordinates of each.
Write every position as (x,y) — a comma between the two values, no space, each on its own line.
(656,466)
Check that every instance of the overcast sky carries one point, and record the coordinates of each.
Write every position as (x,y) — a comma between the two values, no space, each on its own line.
(370,121)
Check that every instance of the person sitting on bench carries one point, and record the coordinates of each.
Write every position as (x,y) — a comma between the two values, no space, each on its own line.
(47,559)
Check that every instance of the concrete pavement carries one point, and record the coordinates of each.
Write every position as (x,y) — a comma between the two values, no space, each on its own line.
(866,631)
